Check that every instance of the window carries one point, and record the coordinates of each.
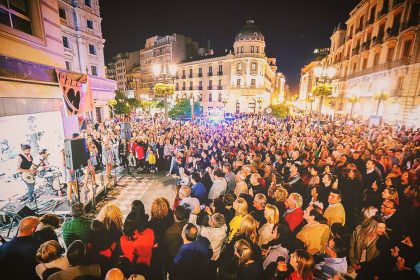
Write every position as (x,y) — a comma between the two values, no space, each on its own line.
(242,49)
(89,24)
(94,70)
(237,50)
(220,69)
(238,82)
(239,67)
(407,48)
(364,63)
(253,82)
(16,14)
(200,72)
(191,74)
(390,54)
(210,98)
(254,66)
(354,67)
(210,83)
(191,85)
(220,83)
(376,59)
(62,13)
(399,88)
(92,49)
(210,69)
(258,49)
(372,14)
(88,3)
(68,67)
(66,43)
(252,49)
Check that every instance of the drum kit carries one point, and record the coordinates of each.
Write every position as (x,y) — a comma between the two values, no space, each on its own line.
(51,180)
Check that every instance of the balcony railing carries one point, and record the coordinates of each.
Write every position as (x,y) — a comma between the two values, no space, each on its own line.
(219,87)
(408,24)
(392,32)
(200,87)
(377,40)
(183,77)
(200,75)
(210,87)
(395,3)
(379,67)
(371,20)
(366,45)
(190,88)
(210,74)
(183,88)
(190,76)
(382,12)
(360,28)
(220,73)
(350,37)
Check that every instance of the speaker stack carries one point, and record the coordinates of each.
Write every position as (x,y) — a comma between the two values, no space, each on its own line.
(75,151)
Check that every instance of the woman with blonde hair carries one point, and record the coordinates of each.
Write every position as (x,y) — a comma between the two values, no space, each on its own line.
(390,194)
(266,232)
(49,256)
(112,218)
(241,209)
(368,242)
(241,187)
(248,268)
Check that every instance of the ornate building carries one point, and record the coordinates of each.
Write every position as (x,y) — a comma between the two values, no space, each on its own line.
(242,81)
(377,53)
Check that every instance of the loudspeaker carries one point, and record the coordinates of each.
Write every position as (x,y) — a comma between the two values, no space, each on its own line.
(75,151)
(125,131)
(19,210)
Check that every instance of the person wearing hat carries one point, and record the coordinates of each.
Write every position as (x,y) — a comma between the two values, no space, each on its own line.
(78,227)
(24,167)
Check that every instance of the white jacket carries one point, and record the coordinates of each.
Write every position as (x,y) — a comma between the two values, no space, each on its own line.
(216,236)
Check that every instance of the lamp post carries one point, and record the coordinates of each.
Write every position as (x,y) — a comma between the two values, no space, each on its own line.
(224,101)
(259,102)
(193,98)
(324,74)
(165,74)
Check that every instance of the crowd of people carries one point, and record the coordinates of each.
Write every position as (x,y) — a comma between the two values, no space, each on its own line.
(257,198)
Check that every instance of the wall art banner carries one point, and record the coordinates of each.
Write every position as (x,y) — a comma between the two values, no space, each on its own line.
(77,94)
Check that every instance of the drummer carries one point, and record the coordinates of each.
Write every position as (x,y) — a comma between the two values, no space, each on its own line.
(42,161)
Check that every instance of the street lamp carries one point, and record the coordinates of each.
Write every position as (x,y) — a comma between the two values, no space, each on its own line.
(259,101)
(224,101)
(194,96)
(165,74)
(324,74)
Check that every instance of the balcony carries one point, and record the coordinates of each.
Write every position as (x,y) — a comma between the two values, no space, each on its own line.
(177,89)
(392,32)
(210,87)
(200,75)
(383,12)
(190,76)
(200,87)
(406,25)
(183,88)
(359,29)
(370,21)
(366,45)
(183,77)
(378,68)
(191,88)
(395,3)
(219,87)
(220,73)
(377,40)
(210,74)
(355,51)
(349,37)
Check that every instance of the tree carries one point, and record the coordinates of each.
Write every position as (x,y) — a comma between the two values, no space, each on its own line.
(321,90)
(353,99)
(182,109)
(310,99)
(280,110)
(122,106)
(111,103)
(164,90)
(380,96)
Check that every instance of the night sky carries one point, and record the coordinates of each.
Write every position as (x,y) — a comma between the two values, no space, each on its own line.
(292,29)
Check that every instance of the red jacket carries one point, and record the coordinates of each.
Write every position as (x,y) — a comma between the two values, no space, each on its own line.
(294,218)
(140,152)
(139,248)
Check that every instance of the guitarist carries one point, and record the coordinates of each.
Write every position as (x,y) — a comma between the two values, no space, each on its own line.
(24,166)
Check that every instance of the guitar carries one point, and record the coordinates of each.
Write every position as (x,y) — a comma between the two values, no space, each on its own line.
(30,177)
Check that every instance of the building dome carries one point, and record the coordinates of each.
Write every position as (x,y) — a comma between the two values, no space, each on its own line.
(249,32)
